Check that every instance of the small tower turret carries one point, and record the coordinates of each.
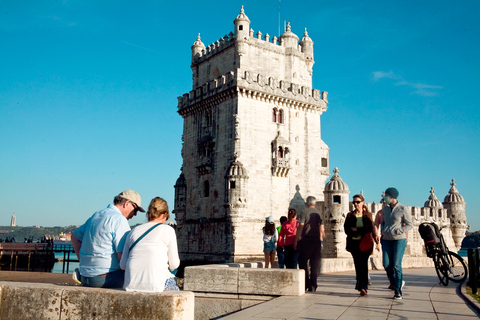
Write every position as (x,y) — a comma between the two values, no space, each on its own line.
(335,210)
(307,48)
(242,26)
(455,205)
(197,48)
(288,38)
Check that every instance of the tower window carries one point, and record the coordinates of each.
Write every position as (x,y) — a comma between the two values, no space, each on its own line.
(280,152)
(337,199)
(206,189)
(280,116)
(324,162)
(232,184)
(274,115)
(240,27)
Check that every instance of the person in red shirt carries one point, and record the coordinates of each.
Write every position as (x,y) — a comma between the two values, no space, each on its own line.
(286,239)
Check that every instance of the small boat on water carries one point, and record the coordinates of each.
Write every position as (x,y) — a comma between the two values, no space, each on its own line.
(31,256)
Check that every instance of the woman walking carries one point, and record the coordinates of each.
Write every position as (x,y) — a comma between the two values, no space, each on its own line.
(359,227)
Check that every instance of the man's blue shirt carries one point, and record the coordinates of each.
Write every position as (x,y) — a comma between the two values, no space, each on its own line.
(102,236)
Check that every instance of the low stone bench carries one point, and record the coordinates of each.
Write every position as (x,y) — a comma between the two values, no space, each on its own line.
(20,300)
(239,279)
(225,288)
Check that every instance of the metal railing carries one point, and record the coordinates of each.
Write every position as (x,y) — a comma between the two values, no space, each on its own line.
(67,249)
(473,270)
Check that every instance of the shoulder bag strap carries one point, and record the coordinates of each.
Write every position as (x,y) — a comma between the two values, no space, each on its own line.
(143,235)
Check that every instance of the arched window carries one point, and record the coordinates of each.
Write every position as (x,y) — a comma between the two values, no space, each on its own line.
(280,152)
(280,116)
(206,189)
(274,115)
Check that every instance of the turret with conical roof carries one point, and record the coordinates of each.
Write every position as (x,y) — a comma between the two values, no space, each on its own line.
(455,205)
(336,206)
(307,48)
(197,48)
(432,201)
(288,38)
(242,26)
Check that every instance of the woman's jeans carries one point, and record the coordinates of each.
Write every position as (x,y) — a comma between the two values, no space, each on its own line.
(393,251)
(360,259)
(110,280)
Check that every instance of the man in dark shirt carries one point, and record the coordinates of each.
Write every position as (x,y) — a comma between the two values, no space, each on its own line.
(308,241)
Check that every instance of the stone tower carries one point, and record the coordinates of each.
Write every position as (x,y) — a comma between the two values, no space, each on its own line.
(455,206)
(335,209)
(13,221)
(251,141)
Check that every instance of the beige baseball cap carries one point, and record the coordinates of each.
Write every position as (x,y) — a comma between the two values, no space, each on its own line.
(134,197)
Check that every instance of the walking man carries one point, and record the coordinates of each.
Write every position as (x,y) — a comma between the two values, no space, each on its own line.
(396,222)
(99,242)
(309,238)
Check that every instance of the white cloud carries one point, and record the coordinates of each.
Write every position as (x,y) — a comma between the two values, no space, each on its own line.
(377,75)
(421,89)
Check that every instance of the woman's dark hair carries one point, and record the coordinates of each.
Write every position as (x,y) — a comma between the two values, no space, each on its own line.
(269,228)
(292,214)
(366,212)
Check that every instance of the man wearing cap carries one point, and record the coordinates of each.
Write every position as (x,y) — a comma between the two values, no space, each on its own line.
(99,242)
(396,222)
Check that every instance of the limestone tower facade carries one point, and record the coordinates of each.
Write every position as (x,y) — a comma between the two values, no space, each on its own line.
(251,141)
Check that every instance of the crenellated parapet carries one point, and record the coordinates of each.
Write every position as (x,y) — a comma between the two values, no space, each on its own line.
(255,86)
(282,92)
(200,54)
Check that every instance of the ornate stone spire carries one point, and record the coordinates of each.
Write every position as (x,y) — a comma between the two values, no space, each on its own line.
(453,195)
(289,39)
(432,201)
(242,16)
(336,183)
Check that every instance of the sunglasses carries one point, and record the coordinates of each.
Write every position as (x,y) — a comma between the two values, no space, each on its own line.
(357,202)
(135,207)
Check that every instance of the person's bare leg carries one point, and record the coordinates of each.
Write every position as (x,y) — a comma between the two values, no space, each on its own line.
(267,257)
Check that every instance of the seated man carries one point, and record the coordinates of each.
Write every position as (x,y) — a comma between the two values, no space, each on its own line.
(99,242)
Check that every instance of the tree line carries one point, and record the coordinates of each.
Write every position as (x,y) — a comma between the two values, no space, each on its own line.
(32,233)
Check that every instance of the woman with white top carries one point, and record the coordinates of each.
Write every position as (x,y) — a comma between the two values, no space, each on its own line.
(150,252)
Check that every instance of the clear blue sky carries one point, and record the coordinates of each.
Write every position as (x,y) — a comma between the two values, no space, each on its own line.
(88,96)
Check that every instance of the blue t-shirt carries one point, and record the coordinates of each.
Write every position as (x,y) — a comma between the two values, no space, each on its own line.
(102,236)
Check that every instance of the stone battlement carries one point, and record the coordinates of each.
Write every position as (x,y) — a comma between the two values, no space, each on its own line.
(256,86)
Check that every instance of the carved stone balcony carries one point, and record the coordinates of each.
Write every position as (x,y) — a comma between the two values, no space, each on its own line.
(204,165)
(280,167)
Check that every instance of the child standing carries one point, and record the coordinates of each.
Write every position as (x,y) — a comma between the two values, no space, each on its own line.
(270,237)
(280,248)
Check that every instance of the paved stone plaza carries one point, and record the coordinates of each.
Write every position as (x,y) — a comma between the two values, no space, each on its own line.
(336,298)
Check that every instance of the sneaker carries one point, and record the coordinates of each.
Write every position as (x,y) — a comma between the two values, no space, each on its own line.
(76,276)
(398,296)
